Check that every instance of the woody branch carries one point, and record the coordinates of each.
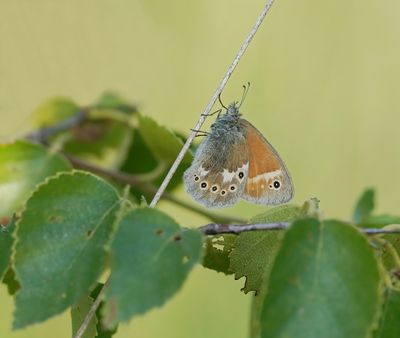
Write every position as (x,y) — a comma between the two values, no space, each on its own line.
(216,228)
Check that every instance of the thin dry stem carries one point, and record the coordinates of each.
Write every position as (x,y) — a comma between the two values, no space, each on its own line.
(210,104)
(92,311)
(216,228)
(192,135)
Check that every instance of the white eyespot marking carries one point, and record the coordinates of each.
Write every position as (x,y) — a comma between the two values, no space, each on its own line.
(227,176)
(223,192)
(214,188)
(276,185)
(232,188)
(203,185)
(266,176)
(203,172)
(196,178)
(241,172)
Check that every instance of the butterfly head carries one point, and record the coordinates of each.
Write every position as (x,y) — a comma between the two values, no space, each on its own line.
(233,110)
(228,121)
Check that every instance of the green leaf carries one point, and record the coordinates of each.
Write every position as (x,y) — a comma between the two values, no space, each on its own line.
(325,282)
(102,142)
(78,314)
(281,213)
(151,258)
(388,246)
(217,251)
(149,168)
(163,143)
(255,314)
(255,251)
(362,215)
(61,239)
(389,322)
(364,206)
(102,332)
(55,110)
(23,166)
(6,242)
(9,280)
(379,221)
(110,100)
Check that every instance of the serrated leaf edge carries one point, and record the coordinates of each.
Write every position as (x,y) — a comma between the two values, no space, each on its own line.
(23,208)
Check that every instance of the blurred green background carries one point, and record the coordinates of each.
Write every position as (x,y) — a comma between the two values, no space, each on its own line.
(325,91)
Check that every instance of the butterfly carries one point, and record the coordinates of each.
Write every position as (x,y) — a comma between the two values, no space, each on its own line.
(236,161)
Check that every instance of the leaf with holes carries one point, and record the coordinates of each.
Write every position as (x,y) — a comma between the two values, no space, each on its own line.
(254,251)
(23,166)
(217,251)
(324,274)
(61,239)
(151,258)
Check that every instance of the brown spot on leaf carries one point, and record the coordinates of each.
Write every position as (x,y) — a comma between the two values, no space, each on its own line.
(91,131)
(177,238)
(159,232)
(54,219)
(89,233)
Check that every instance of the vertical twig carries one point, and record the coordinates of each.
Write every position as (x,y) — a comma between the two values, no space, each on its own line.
(189,141)
(210,104)
(92,311)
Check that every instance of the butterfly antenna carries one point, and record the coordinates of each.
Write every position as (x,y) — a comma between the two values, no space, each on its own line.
(220,101)
(245,91)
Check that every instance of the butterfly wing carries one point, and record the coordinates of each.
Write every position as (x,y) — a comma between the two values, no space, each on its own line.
(217,176)
(268,180)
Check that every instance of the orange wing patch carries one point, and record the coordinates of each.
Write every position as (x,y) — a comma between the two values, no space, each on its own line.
(264,164)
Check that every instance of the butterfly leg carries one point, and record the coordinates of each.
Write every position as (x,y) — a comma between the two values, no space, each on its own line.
(213,113)
(200,132)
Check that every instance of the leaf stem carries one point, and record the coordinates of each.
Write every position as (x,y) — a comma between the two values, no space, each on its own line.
(210,104)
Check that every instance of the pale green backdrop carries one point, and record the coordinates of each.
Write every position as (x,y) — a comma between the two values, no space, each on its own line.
(325,91)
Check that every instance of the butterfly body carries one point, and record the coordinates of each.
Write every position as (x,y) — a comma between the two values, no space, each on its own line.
(236,161)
